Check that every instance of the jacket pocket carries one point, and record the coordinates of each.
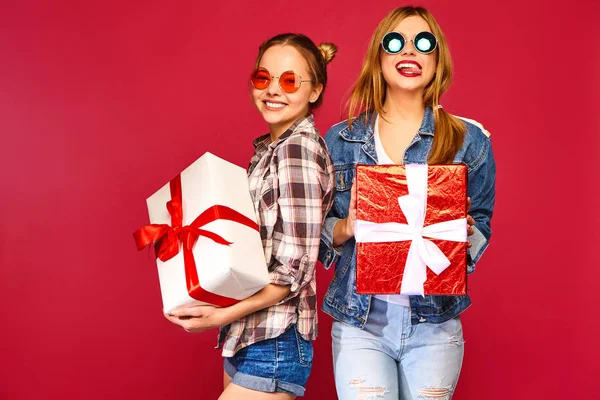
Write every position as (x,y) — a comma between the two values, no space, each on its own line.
(305,348)
(343,177)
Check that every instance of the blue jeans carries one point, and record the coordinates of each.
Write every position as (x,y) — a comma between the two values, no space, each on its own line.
(392,359)
(281,364)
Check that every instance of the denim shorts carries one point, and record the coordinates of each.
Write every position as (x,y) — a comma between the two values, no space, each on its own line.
(281,364)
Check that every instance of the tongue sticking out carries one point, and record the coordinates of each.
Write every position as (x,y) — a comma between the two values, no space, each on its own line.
(411,71)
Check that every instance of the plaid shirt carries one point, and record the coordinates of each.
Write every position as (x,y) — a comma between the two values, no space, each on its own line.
(292,185)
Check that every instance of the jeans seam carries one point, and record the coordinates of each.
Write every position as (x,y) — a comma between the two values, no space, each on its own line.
(299,345)
(276,358)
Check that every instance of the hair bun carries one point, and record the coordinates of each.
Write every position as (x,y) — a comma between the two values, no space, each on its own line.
(328,51)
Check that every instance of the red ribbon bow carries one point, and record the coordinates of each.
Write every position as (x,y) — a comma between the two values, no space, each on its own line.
(166,239)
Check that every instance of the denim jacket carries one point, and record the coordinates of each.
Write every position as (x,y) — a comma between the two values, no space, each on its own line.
(357,146)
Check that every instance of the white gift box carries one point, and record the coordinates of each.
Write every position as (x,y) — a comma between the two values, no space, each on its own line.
(235,271)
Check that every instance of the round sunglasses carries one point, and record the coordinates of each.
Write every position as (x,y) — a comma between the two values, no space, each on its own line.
(394,42)
(289,81)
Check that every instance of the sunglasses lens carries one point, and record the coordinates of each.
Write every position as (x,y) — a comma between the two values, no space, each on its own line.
(260,78)
(392,42)
(425,42)
(289,82)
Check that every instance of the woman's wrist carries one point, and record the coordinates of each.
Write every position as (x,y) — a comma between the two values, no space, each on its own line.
(341,232)
(349,225)
(224,316)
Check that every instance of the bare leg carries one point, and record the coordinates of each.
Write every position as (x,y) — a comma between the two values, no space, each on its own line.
(226,380)
(235,392)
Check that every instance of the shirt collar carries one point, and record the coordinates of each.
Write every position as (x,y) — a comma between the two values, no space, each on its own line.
(265,140)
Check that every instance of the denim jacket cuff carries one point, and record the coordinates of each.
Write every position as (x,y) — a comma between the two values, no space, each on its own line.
(478,245)
(330,254)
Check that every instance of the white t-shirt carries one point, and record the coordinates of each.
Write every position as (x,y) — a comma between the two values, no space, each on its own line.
(384,159)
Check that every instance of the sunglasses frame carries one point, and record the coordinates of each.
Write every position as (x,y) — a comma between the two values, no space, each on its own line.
(272,78)
(406,41)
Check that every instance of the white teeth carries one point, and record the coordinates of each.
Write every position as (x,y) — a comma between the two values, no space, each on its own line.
(274,105)
(406,65)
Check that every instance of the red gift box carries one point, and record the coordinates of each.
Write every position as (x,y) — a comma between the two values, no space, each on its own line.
(411,229)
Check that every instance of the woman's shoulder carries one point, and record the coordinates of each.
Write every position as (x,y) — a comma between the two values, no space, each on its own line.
(476,145)
(337,128)
(357,129)
(475,129)
(305,137)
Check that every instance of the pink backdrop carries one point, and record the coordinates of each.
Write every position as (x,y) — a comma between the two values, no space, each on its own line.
(102,103)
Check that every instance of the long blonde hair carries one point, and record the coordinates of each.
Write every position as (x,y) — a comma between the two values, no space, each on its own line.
(369,92)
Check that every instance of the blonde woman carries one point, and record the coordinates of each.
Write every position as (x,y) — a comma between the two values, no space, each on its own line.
(397,346)
(267,338)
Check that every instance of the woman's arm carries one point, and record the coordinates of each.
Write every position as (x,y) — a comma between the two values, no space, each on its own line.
(482,192)
(203,317)
(344,228)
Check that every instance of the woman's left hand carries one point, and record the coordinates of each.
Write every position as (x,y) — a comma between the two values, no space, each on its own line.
(196,318)
(470,222)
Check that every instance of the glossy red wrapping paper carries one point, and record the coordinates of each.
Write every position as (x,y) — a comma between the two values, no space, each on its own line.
(380,266)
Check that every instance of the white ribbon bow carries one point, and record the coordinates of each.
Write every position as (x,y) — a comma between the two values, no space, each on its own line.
(422,253)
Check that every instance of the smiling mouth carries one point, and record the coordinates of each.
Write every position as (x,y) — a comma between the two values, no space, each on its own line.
(409,69)
(276,106)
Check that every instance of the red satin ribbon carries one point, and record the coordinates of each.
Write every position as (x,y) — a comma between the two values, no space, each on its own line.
(166,240)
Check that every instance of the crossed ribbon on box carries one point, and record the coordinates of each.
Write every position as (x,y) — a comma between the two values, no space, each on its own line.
(166,239)
(422,253)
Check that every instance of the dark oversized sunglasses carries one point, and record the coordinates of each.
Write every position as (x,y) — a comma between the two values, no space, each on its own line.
(394,42)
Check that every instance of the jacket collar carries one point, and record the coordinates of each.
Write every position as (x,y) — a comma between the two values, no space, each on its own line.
(362,127)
